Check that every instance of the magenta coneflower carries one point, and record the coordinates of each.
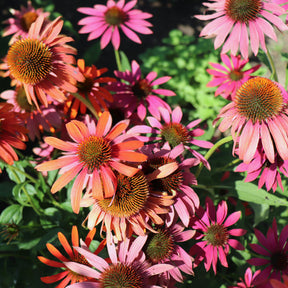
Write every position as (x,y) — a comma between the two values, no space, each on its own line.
(235,16)
(273,253)
(21,21)
(174,133)
(269,172)
(249,279)
(213,229)
(230,76)
(139,94)
(258,114)
(125,267)
(97,151)
(106,21)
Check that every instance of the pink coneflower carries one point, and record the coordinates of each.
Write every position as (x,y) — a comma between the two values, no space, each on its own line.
(125,267)
(21,21)
(36,122)
(269,172)
(139,94)
(212,226)
(249,279)
(176,183)
(162,247)
(235,16)
(258,114)
(107,20)
(67,276)
(230,76)
(273,253)
(93,156)
(174,133)
(277,284)
(42,63)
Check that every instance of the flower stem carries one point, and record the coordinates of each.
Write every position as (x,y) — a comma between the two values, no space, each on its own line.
(271,62)
(87,104)
(211,151)
(118,62)
(32,179)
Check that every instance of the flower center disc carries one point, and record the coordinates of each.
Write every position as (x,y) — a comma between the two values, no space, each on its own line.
(169,183)
(141,89)
(94,152)
(86,86)
(279,261)
(27,19)
(174,134)
(236,75)
(130,197)
(217,235)
(29,61)
(258,99)
(121,276)
(115,16)
(243,10)
(160,246)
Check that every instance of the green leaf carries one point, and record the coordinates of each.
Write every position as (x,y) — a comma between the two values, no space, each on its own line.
(12,214)
(264,59)
(125,63)
(261,212)
(14,175)
(249,192)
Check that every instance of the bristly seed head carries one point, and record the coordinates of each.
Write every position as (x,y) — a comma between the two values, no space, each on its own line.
(115,16)
(141,88)
(174,134)
(217,235)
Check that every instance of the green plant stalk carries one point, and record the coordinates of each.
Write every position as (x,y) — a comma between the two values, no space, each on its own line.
(211,151)
(273,73)
(117,58)
(32,179)
(27,194)
(87,104)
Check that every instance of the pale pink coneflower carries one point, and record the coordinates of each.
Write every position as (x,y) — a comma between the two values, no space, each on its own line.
(106,21)
(234,17)
(258,114)
(230,76)
(213,235)
(248,281)
(137,93)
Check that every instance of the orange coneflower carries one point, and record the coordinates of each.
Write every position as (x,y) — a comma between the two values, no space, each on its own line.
(98,151)
(90,88)
(42,62)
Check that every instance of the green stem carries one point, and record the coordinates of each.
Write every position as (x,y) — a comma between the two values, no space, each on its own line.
(32,179)
(53,201)
(87,104)
(118,62)
(273,73)
(211,151)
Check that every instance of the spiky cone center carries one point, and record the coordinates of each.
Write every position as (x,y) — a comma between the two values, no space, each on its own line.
(217,235)
(243,11)
(236,75)
(22,100)
(141,89)
(27,19)
(279,260)
(121,276)
(10,231)
(174,134)
(94,152)
(29,61)
(130,197)
(160,246)
(115,16)
(86,86)
(258,99)
(169,183)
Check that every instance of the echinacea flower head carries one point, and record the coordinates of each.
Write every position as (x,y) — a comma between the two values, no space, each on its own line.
(272,251)
(162,247)
(97,151)
(42,63)
(68,276)
(132,208)
(212,227)
(249,279)
(106,21)
(125,267)
(230,76)
(234,17)
(90,89)
(174,133)
(137,93)
(268,173)
(258,114)
(9,231)
(21,21)
(12,133)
